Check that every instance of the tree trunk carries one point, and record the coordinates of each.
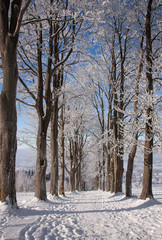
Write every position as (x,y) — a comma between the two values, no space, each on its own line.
(78,177)
(129,173)
(96,182)
(8,122)
(62,160)
(103,167)
(8,129)
(128,181)
(108,178)
(82,180)
(43,118)
(110,170)
(54,118)
(72,181)
(148,154)
(54,148)
(10,21)
(121,114)
(41,164)
(81,167)
(115,165)
(147,173)
(120,153)
(72,167)
(115,143)
(99,177)
(112,178)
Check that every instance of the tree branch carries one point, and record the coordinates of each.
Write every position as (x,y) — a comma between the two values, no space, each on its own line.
(27,89)
(20,17)
(25,103)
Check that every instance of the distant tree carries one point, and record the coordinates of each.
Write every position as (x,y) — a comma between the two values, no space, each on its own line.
(74,137)
(76,145)
(25,181)
(11,14)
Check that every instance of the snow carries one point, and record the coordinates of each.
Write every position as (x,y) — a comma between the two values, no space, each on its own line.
(89,215)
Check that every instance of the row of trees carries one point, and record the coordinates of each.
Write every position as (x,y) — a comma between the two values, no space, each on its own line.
(131,63)
(87,70)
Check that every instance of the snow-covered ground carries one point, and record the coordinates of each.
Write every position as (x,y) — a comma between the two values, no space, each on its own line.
(90,215)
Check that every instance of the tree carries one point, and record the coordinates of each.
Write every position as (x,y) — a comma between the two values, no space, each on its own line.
(64,39)
(62,155)
(74,134)
(148,147)
(76,141)
(42,77)
(135,106)
(129,173)
(11,14)
(54,34)
(108,76)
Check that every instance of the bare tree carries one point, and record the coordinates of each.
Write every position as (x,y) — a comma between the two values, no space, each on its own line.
(54,36)
(63,48)
(11,14)
(42,78)
(99,106)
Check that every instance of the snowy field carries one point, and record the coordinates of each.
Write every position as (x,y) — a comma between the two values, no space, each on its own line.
(90,215)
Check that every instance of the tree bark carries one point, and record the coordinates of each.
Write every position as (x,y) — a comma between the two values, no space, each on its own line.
(72,168)
(128,182)
(82,180)
(99,176)
(8,126)
(54,118)
(78,177)
(44,115)
(110,144)
(115,164)
(112,178)
(62,160)
(41,164)
(72,181)
(54,149)
(108,182)
(10,23)
(148,148)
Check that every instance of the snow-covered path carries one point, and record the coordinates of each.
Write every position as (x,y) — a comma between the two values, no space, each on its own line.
(117,217)
(90,215)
